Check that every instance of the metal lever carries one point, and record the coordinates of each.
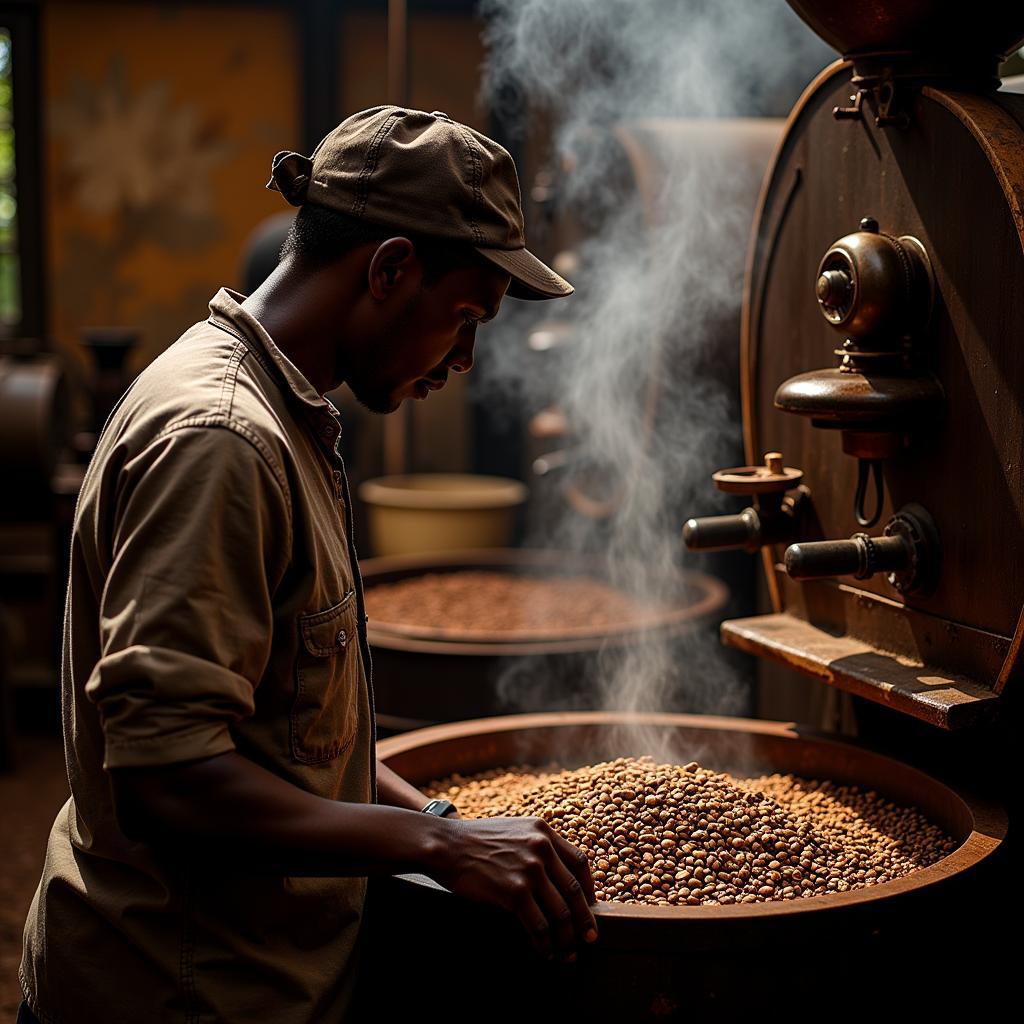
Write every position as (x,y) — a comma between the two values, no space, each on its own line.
(771,519)
(907,551)
(861,557)
(724,533)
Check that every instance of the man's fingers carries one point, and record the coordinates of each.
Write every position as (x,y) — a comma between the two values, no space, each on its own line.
(558,909)
(581,918)
(576,861)
(524,866)
(536,923)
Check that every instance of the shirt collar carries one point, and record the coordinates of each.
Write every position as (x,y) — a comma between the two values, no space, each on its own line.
(226,311)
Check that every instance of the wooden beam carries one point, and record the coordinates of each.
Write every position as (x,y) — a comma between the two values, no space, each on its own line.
(935,695)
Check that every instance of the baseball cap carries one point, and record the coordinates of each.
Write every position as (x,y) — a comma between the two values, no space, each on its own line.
(423,173)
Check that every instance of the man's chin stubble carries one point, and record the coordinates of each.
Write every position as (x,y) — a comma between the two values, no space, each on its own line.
(376,404)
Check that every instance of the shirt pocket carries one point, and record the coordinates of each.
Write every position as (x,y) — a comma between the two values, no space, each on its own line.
(325,710)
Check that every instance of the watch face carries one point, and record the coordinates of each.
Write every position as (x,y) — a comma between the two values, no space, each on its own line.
(438,807)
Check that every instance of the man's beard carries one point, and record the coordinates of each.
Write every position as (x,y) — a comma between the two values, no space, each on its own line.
(362,367)
(375,402)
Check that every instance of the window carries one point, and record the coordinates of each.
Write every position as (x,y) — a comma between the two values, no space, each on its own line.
(10,283)
(21,232)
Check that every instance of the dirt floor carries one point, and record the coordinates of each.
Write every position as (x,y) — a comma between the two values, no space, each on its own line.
(30,796)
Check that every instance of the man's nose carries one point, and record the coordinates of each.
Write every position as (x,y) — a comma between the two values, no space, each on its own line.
(463,360)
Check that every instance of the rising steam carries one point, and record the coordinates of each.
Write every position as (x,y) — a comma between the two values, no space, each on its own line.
(639,86)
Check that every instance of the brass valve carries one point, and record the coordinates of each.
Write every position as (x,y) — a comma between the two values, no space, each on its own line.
(907,551)
(777,495)
(877,289)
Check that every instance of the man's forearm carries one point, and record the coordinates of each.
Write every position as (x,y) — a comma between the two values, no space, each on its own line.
(226,813)
(229,809)
(393,790)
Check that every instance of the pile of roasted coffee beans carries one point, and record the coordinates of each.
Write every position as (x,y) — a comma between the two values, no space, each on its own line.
(684,835)
(502,602)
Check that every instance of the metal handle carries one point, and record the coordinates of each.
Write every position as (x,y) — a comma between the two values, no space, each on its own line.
(861,556)
(720,533)
(908,552)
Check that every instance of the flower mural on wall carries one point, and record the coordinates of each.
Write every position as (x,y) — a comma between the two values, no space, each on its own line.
(161,123)
(139,156)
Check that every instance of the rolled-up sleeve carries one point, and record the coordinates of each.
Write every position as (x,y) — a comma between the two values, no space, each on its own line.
(200,541)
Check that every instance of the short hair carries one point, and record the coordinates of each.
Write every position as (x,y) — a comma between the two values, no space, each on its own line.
(320,236)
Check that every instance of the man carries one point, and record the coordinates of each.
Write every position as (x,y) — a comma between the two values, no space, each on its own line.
(226,807)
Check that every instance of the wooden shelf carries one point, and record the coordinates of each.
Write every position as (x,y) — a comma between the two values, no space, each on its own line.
(945,699)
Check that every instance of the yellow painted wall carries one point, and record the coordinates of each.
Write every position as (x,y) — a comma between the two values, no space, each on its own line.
(161,122)
(161,126)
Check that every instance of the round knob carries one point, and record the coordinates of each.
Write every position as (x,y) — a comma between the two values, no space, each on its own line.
(834,289)
(771,478)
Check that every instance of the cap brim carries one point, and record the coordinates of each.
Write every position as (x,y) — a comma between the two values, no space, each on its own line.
(531,279)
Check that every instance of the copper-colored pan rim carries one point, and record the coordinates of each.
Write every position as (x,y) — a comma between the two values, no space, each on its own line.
(989,831)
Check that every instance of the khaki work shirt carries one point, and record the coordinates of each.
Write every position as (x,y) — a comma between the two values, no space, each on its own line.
(214,604)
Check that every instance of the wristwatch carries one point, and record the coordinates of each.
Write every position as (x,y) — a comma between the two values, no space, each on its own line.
(439,807)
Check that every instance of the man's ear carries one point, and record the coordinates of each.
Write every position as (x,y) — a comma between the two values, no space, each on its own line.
(390,265)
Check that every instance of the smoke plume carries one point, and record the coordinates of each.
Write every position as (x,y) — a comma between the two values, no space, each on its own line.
(644,93)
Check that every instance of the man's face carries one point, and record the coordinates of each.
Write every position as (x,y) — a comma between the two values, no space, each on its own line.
(423,336)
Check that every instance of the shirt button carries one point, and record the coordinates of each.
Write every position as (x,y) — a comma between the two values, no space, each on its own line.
(341,639)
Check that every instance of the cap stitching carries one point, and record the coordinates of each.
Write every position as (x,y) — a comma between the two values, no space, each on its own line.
(478,236)
(370,164)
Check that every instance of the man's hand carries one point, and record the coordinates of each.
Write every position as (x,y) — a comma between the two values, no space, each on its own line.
(522,865)
(519,864)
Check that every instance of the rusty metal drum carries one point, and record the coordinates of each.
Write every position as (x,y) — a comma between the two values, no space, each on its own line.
(423,676)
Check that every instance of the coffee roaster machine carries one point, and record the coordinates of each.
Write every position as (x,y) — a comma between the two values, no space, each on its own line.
(882,384)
